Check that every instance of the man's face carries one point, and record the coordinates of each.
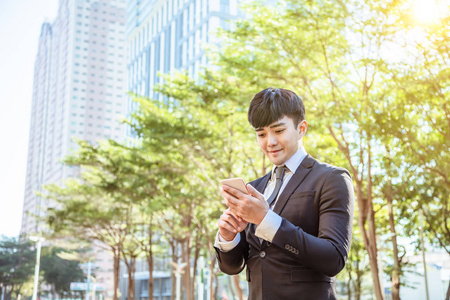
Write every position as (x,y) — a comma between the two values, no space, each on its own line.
(281,139)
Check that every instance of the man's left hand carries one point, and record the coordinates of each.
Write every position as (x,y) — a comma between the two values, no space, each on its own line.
(251,208)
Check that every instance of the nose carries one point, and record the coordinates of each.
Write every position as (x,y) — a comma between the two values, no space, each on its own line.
(272,141)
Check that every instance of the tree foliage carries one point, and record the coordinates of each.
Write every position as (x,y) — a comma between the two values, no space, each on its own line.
(58,273)
(17,261)
(17,266)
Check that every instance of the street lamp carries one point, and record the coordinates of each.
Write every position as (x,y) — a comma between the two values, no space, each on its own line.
(178,271)
(38,241)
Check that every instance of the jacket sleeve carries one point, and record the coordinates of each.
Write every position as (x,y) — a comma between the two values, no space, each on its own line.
(233,261)
(326,253)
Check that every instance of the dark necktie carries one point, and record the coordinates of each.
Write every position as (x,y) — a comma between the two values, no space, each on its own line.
(279,173)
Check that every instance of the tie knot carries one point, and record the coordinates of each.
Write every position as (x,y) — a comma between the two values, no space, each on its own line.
(279,172)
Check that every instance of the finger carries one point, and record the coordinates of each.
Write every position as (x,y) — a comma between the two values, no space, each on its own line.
(230,218)
(232,191)
(227,226)
(241,223)
(224,193)
(230,201)
(252,191)
(238,219)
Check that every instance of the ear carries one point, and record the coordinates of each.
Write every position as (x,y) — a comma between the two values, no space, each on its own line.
(302,128)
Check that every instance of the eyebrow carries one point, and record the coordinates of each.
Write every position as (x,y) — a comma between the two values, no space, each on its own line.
(271,126)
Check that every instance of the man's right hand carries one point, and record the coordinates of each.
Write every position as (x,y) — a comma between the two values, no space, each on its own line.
(230,225)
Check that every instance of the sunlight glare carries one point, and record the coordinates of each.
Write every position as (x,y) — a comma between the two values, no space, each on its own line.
(430,11)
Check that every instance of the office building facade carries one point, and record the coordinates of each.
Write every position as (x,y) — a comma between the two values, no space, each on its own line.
(78,93)
(167,35)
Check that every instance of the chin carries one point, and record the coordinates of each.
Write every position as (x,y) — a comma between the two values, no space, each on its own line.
(278,161)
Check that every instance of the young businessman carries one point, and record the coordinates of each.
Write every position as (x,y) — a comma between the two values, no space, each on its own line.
(293,229)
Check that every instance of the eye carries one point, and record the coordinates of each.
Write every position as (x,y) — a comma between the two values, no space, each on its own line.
(261,134)
(279,131)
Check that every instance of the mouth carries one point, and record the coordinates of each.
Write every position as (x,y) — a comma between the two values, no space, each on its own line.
(275,151)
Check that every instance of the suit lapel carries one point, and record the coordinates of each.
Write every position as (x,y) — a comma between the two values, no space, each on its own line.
(263,183)
(296,179)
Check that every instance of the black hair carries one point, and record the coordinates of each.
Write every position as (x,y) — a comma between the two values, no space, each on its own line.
(272,104)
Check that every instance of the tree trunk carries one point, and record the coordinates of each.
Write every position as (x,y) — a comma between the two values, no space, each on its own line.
(131,281)
(116,269)
(194,273)
(373,255)
(131,267)
(367,216)
(397,268)
(379,294)
(187,247)
(369,237)
(359,274)
(151,280)
(172,274)
(187,269)
(149,256)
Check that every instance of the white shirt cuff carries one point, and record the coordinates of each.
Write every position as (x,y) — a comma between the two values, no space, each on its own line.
(224,245)
(268,226)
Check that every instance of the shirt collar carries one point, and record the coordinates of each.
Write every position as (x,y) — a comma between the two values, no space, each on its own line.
(294,161)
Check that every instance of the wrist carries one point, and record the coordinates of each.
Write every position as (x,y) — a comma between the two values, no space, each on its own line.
(262,216)
(227,237)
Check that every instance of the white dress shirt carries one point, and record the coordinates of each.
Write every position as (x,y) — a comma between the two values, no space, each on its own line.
(268,227)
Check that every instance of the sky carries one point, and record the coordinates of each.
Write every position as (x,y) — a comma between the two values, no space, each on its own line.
(20,26)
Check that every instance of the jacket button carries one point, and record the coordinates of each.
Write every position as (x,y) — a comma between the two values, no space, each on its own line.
(286,247)
(262,254)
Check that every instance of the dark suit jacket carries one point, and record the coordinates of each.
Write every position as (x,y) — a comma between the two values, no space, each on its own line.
(312,244)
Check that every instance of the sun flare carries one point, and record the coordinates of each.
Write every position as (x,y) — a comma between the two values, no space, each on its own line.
(430,11)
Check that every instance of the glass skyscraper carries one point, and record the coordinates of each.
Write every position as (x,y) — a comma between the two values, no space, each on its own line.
(79,92)
(167,35)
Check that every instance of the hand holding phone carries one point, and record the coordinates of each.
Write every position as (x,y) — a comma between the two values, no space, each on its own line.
(237,183)
(252,210)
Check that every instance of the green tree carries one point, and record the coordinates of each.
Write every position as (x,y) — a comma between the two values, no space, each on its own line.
(83,214)
(337,54)
(57,272)
(17,261)
(119,190)
(421,113)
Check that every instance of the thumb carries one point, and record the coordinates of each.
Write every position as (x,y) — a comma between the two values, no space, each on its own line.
(254,192)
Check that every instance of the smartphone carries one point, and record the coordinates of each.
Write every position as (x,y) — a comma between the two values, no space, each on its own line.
(237,183)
